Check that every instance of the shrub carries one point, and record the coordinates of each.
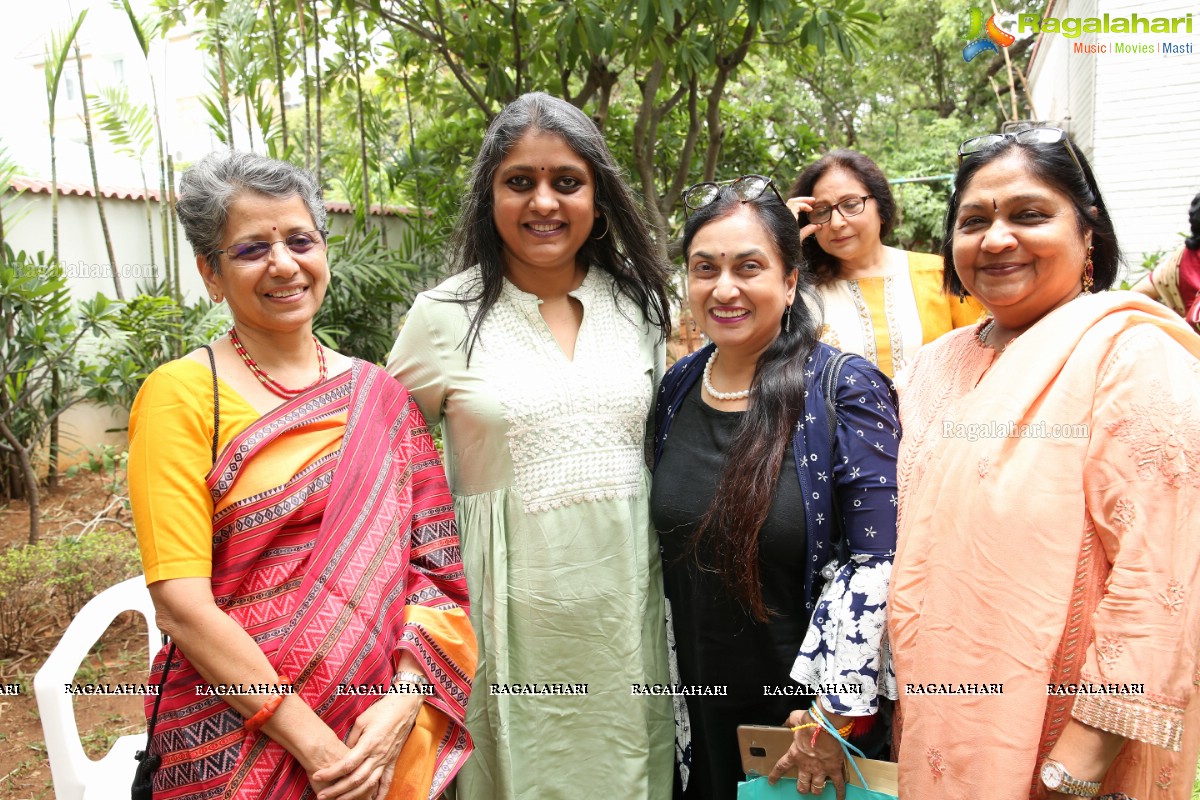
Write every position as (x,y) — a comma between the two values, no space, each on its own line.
(84,566)
(24,601)
(49,582)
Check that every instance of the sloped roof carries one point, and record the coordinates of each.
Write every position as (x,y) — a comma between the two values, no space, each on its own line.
(38,186)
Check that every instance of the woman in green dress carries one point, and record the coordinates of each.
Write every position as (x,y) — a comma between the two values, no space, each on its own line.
(541,356)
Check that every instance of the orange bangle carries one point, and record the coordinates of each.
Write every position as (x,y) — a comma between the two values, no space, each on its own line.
(264,714)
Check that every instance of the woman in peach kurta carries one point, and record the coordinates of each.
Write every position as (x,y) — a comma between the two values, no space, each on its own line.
(1049,486)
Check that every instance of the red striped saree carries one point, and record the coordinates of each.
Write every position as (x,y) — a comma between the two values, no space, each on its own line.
(335,547)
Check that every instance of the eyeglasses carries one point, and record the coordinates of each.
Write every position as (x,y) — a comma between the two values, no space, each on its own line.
(1028,136)
(850,207)
(250,254)
(747,188)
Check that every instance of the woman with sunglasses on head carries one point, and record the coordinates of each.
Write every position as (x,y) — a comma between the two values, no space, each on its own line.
(880,302)
(1068,424)
(749,493)
(540,358)
(294,525)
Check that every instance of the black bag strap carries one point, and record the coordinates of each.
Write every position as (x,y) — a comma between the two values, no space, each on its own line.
(212,363)
(829,382)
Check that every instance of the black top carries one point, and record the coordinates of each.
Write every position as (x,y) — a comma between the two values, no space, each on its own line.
(718,643)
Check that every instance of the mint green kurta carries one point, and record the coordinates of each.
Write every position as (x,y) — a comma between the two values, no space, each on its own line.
(546,464)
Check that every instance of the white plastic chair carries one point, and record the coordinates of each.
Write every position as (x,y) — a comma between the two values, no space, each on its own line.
(77,777)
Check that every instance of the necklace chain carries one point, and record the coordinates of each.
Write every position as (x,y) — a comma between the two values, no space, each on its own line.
(272,385)
(708,387)
(982,335)
(985,330)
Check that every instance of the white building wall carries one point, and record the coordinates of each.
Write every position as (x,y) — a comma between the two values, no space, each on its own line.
(1063,84)
(1147,146)
(1137,116)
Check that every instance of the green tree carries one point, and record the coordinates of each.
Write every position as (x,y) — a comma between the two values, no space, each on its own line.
(130,128)
(41,372)
(91,146)
(146,30)
(57,51)
(668,64)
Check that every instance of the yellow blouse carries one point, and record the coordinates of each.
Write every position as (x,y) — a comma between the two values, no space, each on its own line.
(886,319)
(170,457)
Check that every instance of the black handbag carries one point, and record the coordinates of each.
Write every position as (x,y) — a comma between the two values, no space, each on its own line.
(147,762)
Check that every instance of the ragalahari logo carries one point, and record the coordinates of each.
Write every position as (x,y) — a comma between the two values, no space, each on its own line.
(985,37)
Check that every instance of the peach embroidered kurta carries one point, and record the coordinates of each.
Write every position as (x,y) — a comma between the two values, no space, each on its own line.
(1048,534)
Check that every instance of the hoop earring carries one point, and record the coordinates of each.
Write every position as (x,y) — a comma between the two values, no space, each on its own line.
(607,225)
(787,319)
(1088,271)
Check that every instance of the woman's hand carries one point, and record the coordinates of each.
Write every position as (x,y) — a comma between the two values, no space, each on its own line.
(798,205)
(375,741)
(815,765)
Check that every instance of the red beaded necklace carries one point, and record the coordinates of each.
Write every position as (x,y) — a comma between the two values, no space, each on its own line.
(272,385)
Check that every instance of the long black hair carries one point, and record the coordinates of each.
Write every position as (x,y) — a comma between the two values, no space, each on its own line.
(626,251)
(825,267)
(748,481)
(1052,164)
(1193,242)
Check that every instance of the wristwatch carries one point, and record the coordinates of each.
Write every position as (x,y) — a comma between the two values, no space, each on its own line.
(415,678)
(1056,778)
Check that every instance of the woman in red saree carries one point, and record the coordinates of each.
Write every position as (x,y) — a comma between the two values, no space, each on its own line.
(318,548)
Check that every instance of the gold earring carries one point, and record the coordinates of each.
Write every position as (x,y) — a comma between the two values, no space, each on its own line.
(1088,270)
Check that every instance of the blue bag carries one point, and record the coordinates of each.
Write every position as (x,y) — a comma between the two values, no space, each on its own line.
(785,788)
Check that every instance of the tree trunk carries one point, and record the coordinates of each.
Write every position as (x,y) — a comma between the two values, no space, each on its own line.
(317,66)
(305,84)
(52,466)
(150,229)
(91,146)
(224,84)
(170,201)
(278,75)
(172,276)
(362,126)
(53,196)
(249,121)
(30,479)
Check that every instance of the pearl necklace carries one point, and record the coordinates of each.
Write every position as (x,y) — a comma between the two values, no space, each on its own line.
(708,387)
(272,385)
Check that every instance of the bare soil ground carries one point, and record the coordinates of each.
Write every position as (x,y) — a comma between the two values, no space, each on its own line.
(120,657)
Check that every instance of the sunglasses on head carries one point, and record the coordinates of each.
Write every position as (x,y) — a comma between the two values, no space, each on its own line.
(747,188)
(1028,136)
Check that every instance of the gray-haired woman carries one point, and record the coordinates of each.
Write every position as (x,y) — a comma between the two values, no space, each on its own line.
(541,357)
(277,490)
